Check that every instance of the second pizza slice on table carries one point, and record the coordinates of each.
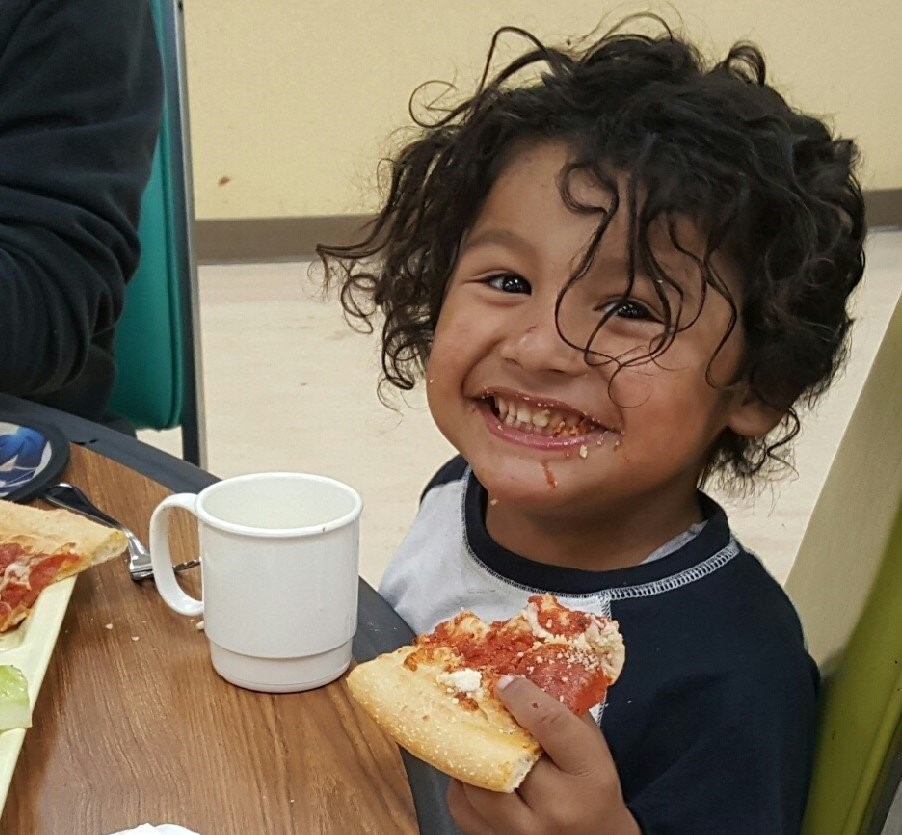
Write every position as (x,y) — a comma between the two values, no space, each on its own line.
(40,547)
(437,697)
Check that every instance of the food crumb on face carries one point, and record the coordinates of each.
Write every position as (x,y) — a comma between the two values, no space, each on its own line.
(199,625)
(583,451)
(135,638)
(108,626)
(549,476)
(493,502)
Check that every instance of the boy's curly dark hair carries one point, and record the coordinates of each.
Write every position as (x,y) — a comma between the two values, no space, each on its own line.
(770,186)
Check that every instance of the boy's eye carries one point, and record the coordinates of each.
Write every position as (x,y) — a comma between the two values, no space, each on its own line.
(626,309)
(508,283)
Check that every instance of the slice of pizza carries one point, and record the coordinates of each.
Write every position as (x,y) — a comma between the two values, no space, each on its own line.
(437,697)
(40,547)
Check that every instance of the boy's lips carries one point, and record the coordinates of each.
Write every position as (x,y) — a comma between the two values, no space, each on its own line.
(540,422)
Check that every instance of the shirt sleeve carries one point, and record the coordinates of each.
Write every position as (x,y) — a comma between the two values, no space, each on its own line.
(452,470)
(80,105)
(740,764)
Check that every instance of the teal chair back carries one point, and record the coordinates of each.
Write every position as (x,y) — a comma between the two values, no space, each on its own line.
(157,356)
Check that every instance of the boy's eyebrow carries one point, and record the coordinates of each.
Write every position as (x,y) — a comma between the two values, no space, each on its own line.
(497,235)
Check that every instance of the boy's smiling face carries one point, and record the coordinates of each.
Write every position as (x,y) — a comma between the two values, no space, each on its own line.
(543,430)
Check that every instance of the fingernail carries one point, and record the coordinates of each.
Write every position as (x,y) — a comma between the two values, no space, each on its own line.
(504,681)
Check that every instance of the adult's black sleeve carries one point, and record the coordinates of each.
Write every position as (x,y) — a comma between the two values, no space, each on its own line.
(80,104)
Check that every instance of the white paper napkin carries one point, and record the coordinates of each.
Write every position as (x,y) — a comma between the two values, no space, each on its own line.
(162,829)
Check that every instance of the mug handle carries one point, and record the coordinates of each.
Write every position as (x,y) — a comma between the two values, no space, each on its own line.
(161,561)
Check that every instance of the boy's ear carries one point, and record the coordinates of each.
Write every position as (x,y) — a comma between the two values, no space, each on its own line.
(751,417)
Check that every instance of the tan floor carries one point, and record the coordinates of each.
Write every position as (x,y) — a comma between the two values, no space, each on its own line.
(289,386)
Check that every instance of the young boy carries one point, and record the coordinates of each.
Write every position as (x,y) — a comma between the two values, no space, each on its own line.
(617,280)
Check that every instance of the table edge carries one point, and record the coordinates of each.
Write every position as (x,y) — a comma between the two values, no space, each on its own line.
(427,785)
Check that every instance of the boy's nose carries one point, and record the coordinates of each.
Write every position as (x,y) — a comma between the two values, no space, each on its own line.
(539,347)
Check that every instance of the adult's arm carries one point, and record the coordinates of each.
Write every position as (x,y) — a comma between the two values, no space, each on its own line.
(80,104)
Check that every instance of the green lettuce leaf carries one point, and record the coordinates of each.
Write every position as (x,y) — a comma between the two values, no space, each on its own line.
(15,708)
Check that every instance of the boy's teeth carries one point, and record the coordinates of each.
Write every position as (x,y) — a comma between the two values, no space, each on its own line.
(542,421)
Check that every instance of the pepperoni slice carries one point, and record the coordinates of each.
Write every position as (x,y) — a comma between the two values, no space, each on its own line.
(499,648)
(43,573)
(9,553)
(26,591)
(573,681)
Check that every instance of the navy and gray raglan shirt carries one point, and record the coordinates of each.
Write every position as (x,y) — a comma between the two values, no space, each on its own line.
(711,722)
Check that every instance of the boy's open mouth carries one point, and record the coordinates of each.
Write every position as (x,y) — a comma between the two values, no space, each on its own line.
(537,417)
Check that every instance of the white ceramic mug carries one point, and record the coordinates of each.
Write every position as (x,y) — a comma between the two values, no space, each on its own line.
(279,562)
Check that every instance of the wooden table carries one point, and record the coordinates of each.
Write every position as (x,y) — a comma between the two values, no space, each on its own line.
(132,724)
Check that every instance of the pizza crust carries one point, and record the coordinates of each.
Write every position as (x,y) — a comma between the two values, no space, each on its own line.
(53,531)
(482,746)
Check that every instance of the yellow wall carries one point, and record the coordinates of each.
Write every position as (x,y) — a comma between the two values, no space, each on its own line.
(850,524)
(294,101)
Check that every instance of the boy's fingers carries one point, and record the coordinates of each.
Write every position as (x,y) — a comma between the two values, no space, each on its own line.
(468,820)
(571,743)
(507,811)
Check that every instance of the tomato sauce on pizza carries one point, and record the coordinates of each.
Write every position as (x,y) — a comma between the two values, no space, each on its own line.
(547,643)
(24,574)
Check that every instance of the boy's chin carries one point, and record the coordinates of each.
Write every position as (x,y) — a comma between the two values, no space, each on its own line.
(530,487)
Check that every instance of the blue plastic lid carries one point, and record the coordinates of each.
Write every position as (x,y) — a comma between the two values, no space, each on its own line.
(31,458)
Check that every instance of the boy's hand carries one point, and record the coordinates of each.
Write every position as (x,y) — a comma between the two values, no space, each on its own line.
(573,789)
